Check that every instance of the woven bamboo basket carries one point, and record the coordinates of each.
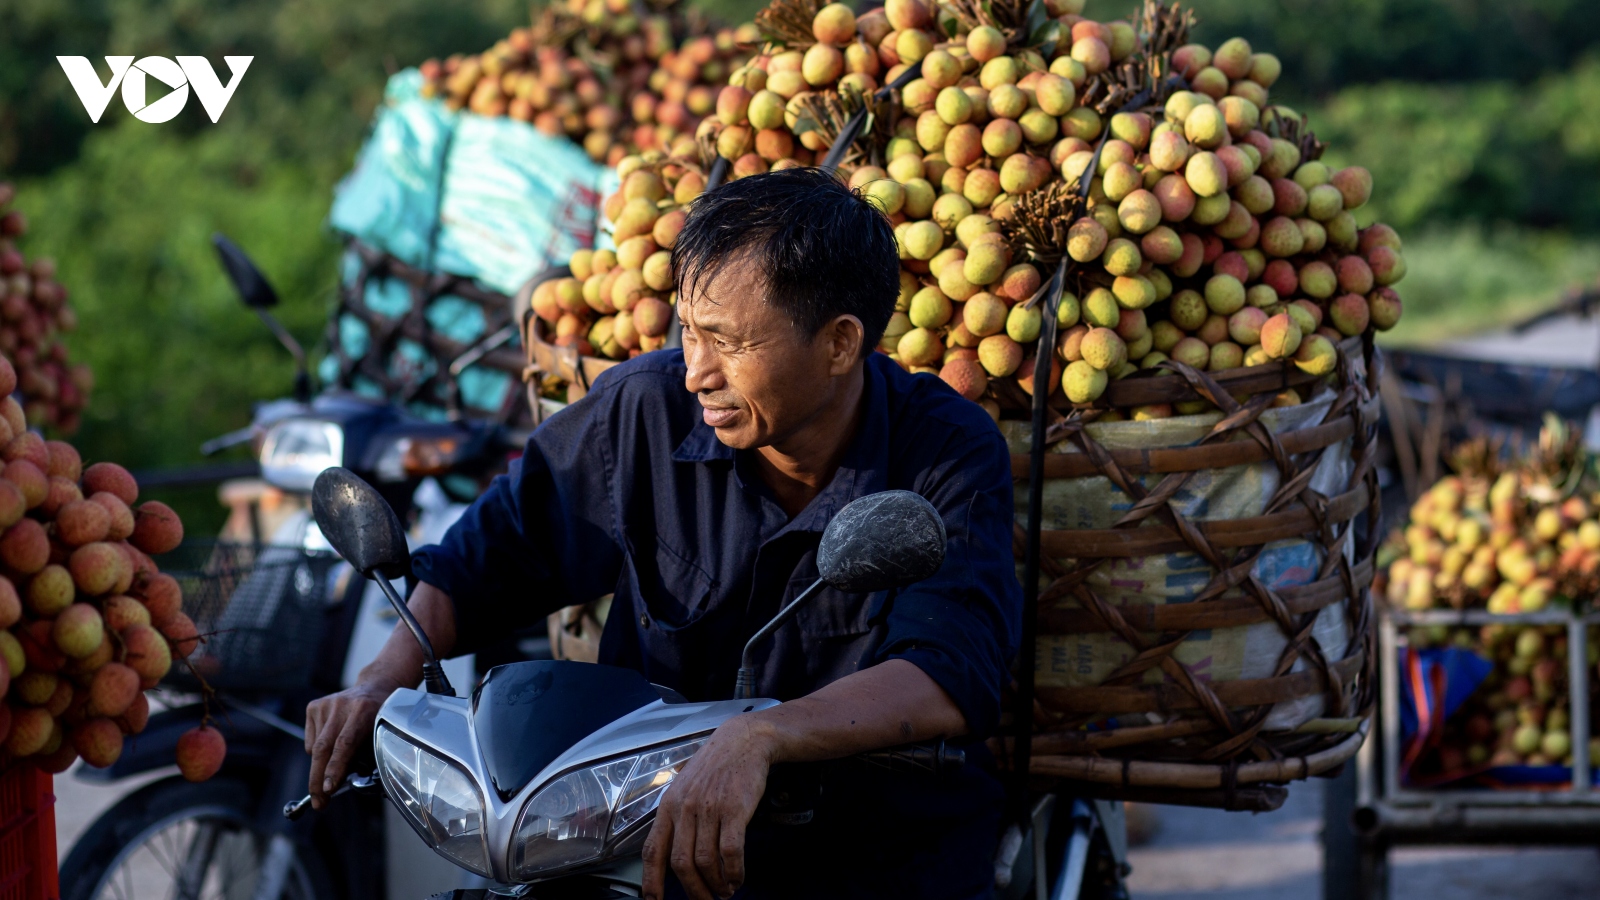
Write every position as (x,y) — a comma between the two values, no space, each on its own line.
(1154,718)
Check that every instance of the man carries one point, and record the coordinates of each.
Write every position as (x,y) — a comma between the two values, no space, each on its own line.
(702,511)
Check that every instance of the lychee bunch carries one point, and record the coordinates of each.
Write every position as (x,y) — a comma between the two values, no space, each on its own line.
(1520,715)
(600,73)
(33,314)
(618,303)
(88,622)
(1212,235)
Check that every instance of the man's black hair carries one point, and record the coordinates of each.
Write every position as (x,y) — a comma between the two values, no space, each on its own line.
(823,250)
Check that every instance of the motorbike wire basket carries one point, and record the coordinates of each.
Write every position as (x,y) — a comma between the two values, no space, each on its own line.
(260,609)
(1204,626)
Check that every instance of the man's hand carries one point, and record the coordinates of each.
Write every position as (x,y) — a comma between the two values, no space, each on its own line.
(699,828)
(340,724)
(336,727)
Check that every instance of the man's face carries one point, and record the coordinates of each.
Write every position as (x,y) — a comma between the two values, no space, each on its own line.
(758,378)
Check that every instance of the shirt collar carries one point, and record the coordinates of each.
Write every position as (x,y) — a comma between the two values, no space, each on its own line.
(862,471)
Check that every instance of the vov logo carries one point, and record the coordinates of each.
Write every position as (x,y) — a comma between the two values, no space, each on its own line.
(187,72)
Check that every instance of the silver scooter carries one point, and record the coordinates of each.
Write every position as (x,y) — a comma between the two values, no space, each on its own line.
(549,777)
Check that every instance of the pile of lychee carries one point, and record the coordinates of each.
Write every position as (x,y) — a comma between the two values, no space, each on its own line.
(1520,714)
(1508,545)
(33,315)
(618,303)
(88,622)
(1207,237)
(600,73)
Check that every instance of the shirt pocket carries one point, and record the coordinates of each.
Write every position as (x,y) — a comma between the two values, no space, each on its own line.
(673,589)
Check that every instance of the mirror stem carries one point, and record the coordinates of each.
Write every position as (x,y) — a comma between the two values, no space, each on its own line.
(744,687)
(302,375)
(433,676)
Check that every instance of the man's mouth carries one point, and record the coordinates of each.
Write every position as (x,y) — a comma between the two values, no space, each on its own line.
(718,416)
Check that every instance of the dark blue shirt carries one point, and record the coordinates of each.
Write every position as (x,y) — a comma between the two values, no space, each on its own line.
(629,492)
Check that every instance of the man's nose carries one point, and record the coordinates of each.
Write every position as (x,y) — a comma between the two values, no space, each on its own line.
(703,372)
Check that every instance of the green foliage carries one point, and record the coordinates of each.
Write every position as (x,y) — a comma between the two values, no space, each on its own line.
(319,66)
(1487,152)
(1327,44)
(1466,279)
(177,357)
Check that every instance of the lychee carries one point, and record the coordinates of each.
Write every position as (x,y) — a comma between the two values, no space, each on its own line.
(79,630)
(163,597)
(97,568)
(121,521)
(61,492)
(60,698)
(1384,307)
(114,479)
(30,731)
(64,460)
(133,721)
(30,479)
(1280,336)
(28,446)
(112,690)
(37,647)
(1317,355)
(10,603)
(999,355)
(99,742)
(146,652)
(1349,313)
(25,547)
(966,377)
(180,632)
(201,751)
(82,522)
(50,591)
(1082,382)
(156,528)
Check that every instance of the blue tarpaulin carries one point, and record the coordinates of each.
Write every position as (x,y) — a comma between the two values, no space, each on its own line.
(491,199)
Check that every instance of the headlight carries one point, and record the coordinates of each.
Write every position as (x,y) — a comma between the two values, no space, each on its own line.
(297,450)
(570,820)
(438,799)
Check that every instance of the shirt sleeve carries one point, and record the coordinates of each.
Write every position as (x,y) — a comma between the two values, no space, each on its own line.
(540,538)
(962,625)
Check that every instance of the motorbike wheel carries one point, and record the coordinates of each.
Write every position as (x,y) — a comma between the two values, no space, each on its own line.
(186,842)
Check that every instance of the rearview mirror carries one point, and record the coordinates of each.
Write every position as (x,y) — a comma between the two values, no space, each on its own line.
(252,286)
(359,524)
(882,541)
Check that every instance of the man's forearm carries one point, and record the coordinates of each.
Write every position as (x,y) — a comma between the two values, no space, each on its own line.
(399,663)
(883,706)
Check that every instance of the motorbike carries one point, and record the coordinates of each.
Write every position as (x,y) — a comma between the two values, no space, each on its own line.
(546,781)
(288,622)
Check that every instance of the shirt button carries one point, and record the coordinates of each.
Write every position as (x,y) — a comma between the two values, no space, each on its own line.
(644,620)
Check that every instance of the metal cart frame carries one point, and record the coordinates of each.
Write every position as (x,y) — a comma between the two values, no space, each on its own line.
(1380,813)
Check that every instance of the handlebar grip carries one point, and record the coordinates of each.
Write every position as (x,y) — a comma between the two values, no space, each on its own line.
(928,758)
(361,784)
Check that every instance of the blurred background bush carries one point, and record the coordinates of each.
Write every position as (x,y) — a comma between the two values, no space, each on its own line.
(1479,120)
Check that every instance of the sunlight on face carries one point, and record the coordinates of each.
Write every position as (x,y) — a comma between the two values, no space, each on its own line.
(758,378)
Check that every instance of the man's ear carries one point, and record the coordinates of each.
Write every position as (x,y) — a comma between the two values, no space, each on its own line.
(843,337)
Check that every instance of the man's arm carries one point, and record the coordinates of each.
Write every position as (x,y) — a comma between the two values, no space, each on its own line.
(699,828)
(338,724)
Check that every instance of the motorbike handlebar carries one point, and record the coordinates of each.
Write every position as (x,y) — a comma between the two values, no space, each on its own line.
(361,784)
(929,758)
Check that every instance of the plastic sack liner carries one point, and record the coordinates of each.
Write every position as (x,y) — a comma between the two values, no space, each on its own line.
(1220,654)
(493,199)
